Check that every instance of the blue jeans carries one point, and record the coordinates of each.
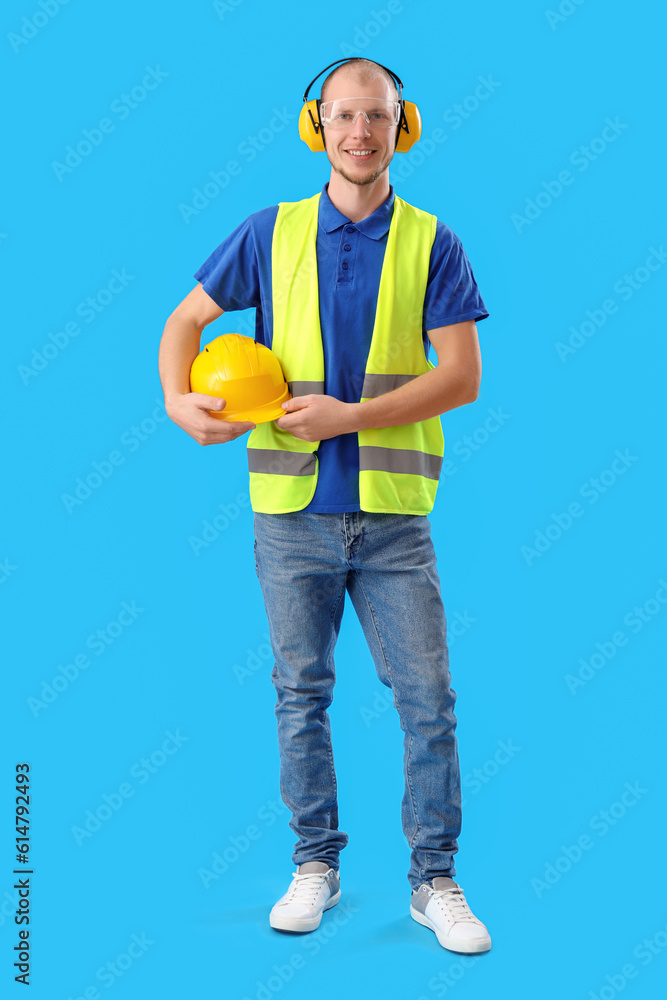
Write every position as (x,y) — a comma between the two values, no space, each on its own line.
(305,562)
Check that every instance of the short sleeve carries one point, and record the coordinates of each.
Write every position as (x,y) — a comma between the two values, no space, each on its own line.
(231,274)
(452,295)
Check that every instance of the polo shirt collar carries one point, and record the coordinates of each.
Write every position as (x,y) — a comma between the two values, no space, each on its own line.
(375,226)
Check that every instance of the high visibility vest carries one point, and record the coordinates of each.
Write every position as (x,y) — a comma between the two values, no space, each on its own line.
(399,467)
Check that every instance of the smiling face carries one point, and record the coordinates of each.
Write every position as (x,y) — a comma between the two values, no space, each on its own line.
(376,145)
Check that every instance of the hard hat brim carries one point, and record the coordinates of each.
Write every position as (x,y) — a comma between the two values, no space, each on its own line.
(258,414)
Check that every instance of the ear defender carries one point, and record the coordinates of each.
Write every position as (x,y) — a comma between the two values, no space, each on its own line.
(408,136)
(310,128)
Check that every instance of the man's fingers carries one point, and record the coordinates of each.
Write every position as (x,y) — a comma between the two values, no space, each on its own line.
(223,430)
(208,402)
(218,403)
(212,422)
(242,426)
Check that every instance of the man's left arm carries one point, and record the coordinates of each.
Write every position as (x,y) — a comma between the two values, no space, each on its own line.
(454,382)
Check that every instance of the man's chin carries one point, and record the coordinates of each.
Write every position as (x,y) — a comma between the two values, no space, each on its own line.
(360,179)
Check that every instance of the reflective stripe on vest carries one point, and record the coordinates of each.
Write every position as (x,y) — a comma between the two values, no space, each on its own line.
(399,467)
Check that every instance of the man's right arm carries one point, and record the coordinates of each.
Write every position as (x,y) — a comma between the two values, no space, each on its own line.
(179,346)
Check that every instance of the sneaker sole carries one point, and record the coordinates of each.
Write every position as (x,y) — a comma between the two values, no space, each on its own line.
(452,944)
(295,924)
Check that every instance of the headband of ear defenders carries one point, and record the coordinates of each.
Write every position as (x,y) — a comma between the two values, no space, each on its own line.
(310,125)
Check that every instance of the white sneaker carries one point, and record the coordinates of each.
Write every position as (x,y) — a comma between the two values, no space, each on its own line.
(442,907)
(315,887)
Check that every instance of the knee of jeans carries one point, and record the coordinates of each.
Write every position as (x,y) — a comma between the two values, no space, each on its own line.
(304,699)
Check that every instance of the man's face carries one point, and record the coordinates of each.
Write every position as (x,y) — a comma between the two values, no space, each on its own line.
(360,136)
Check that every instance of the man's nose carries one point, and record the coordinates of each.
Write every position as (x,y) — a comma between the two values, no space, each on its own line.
(360,127)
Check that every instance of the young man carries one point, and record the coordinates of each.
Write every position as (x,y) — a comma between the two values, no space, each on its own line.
(355,520)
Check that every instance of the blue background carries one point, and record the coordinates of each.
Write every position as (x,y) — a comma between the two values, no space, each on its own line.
(178,665)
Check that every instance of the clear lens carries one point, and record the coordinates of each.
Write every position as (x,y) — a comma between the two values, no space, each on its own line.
(342,113)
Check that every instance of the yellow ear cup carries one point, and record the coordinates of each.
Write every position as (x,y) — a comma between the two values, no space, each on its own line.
(307,132)
(406,140)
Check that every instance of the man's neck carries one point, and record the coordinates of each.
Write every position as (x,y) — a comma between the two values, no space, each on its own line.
(357,201)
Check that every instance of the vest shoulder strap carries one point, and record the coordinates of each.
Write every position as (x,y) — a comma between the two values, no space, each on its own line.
(419,214)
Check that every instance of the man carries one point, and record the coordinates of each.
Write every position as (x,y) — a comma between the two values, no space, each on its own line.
(372,543)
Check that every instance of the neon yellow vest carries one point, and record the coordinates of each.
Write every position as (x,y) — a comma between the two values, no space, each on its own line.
(399,467)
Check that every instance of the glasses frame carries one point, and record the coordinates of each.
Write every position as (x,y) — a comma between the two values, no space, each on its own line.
(340,128)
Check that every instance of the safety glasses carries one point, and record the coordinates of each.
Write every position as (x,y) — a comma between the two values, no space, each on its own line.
(343,112)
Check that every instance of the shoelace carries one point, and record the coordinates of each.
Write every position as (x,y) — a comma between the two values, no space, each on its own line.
(305,887)
(454,903)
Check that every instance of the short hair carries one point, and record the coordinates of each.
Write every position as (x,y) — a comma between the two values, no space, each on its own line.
(366,71)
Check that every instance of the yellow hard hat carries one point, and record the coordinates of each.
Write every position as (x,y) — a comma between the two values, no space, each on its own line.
(246,374)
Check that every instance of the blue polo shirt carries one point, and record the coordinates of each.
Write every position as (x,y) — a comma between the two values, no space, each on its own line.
(237,275)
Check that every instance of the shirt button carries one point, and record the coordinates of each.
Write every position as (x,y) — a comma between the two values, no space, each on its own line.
(344,265)
(349,229)
(347,247)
